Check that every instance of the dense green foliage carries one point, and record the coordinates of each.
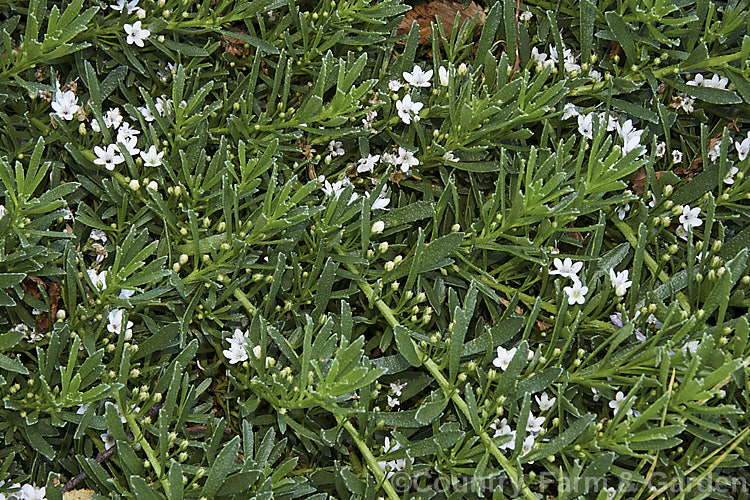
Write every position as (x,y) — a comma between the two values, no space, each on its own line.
(249,249)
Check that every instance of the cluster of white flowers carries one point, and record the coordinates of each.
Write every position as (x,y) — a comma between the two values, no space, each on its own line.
(715,82)
(390,467)
(24,492)
(237,351)
(65,103)
(111,155)
(396,388)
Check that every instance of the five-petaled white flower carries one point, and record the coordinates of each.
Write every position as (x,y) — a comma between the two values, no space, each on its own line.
(534,424)
(528,444)
(394,85)
(622,211)
(569,111)
(132,5)
(406,107)
(743,148)
(109,157)
(545,402)
(115,324)
(566,268)
(367,164)
(576,293)
(676,156)
(631,137)
(393,402)
(617,403)
(504,357)
(30,492)
(449,156)
(136,34)
(108,440)
(620,282)
(381,202)
(235,354)
(396,387)
(661,149)
(152,157)
(113,118)
(729,179)
(417,77)
(65,104)
(406,159)
(392,466)
(586,125)
(689,217)
(501,429)
(99,280)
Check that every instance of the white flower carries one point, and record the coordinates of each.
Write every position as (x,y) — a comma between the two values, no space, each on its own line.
(596,394)
(235,354)
(130,145)
(406,107)
(162,105)
(541,58)
(534,424)
(448,156)
(394,85)
(406,159)
(113,118)
(525,16)
(238,338)
(95,127)
(377,227)
(661,149)
(544,402)
(622,211)
(136,34)
(685,102)
(393,402)
(125,294)
(417,77)
(586,125)
(617,403)
(392,466)
(30,492)
(396,387)
(528,444)
(126,132)
(504,357)
(65,104)
(2,211)
(367,164)
(743,148)
(82,408)
(566,268)
(631,137)
(146,112)
(716,81)
(576,293)
(334,189)
(336,148)
(729,179)
(676,156)
(109,157)
(152,157)
(108,440)
(98,279)
(501,429)
(620,282)
(443,76)
(115,324)
(691,346)
(123,4)
(715,152)
(98,235)
(569,111)
(595,75)
(381,202)
(689,217)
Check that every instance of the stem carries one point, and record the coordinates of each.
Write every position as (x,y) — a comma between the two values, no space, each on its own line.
(434,370)
(140,437)
(650,262)
(372,463)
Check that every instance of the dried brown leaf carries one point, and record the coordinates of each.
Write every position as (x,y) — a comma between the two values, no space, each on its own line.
(425,13)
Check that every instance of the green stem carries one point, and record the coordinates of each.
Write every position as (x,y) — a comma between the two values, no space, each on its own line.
(449,391)
(140,437)
(372,462)
(650,262)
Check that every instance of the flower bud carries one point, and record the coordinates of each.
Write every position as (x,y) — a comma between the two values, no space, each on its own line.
(378,227)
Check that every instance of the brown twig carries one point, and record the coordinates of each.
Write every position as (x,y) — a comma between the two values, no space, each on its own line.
(518,56)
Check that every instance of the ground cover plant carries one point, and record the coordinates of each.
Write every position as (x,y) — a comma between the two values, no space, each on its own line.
(350,249)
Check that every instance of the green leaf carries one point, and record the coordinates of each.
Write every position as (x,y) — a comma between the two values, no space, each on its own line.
(623,34)
(406,346)
(221,467)
(12,365)
(571,432)
(142,490)
(429,412)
